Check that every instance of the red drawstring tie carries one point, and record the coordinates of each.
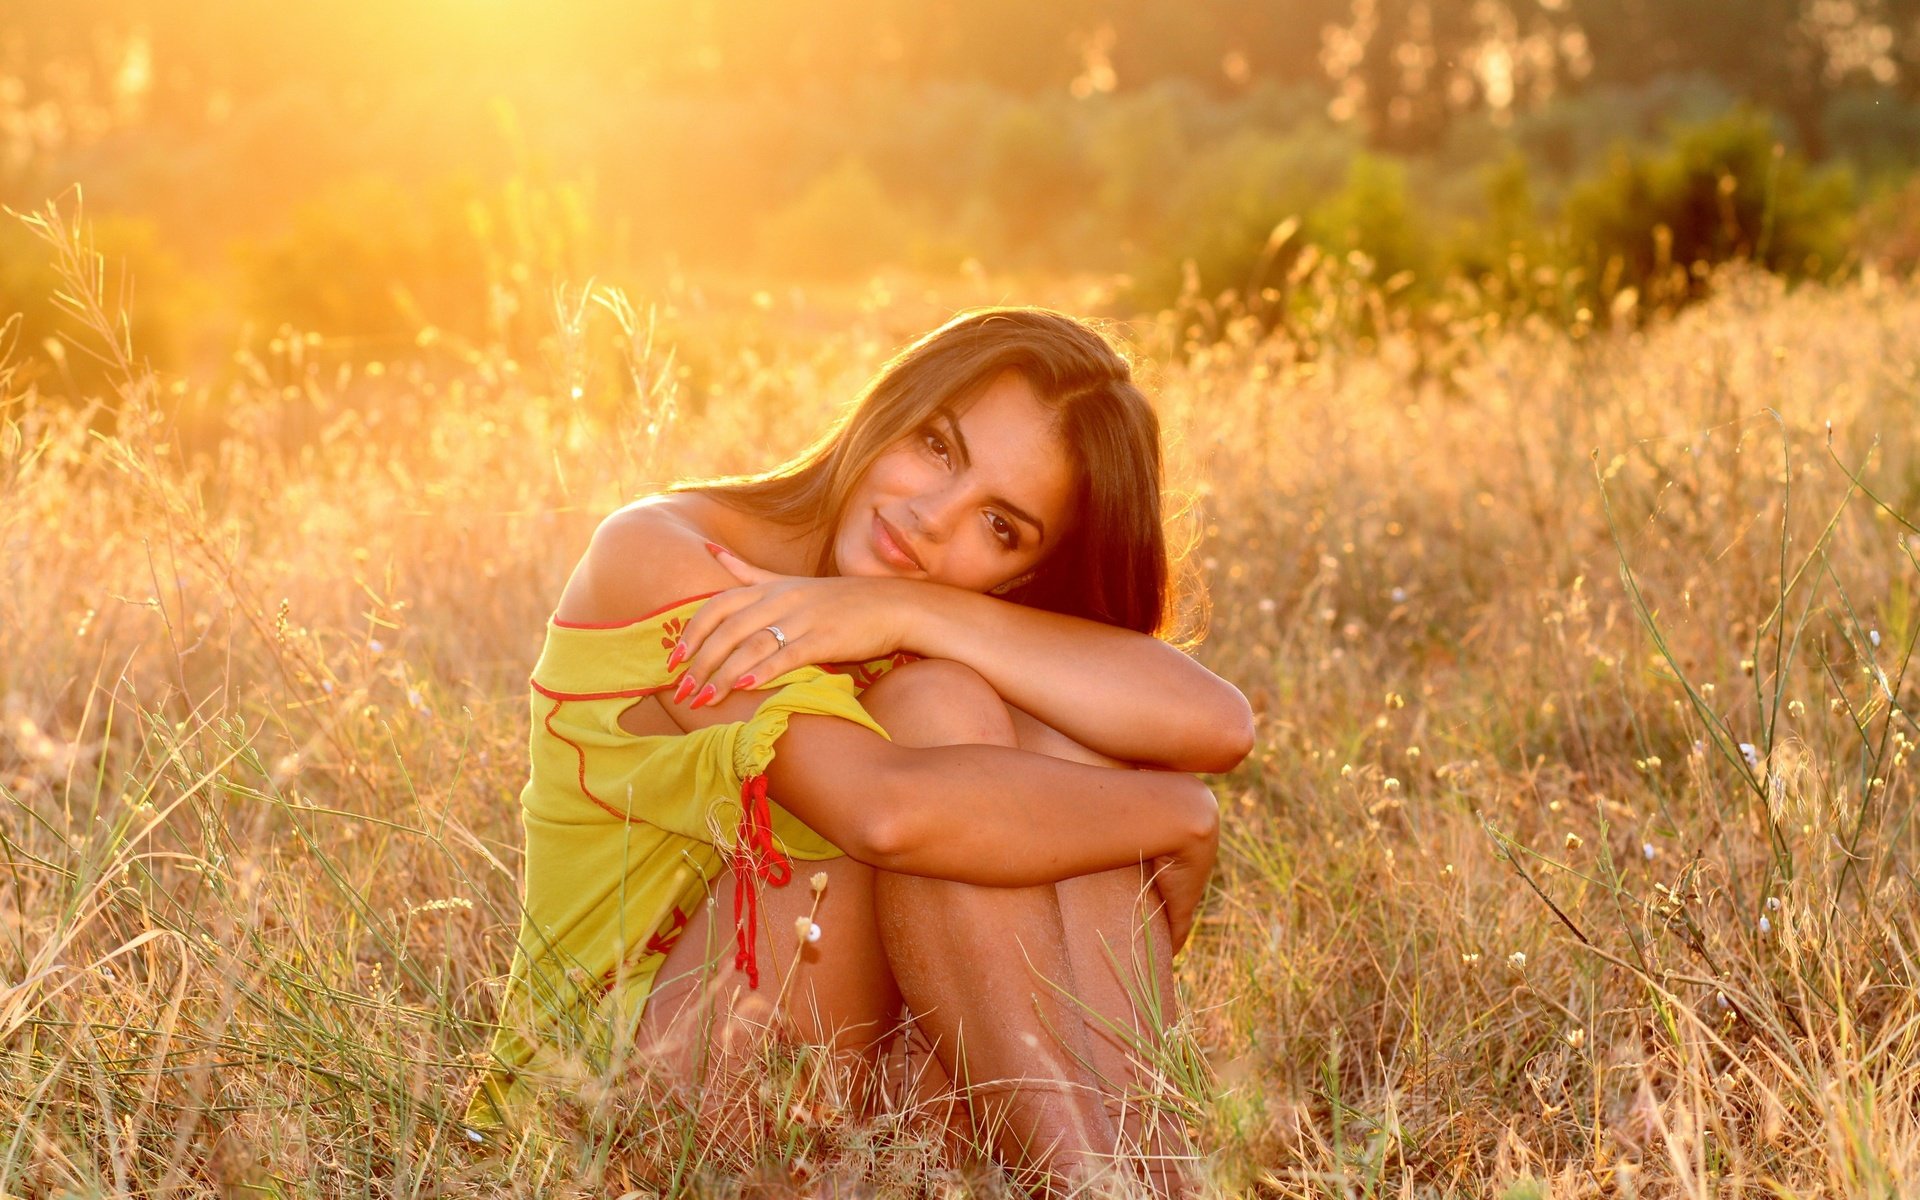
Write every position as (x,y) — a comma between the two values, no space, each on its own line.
(754,856)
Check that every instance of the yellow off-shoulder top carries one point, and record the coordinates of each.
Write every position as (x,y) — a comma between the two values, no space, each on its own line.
(625,833)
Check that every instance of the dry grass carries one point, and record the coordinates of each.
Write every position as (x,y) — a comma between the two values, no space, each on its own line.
(1506,908)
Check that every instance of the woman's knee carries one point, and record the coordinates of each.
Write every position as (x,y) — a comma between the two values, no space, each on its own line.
(938,701)
(1036,736)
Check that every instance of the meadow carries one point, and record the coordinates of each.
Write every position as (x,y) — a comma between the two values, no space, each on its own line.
(1575,857)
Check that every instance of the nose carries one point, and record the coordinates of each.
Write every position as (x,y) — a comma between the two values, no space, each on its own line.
(933,513)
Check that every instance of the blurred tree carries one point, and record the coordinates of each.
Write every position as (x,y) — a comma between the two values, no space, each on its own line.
(1791,56)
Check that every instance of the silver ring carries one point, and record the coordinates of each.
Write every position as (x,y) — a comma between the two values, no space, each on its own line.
(778,636)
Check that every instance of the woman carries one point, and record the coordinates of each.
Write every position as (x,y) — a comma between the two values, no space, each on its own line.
(921,656)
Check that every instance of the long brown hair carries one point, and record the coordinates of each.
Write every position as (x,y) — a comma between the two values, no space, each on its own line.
(1112,565)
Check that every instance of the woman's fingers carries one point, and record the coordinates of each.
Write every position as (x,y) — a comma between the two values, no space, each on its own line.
(707,640)
(739,646)
(739,567)
(752,665)
(695,638)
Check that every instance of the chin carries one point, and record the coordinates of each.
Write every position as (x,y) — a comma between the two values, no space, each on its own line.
(859,562)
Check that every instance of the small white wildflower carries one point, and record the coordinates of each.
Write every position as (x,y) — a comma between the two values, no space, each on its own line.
(1391,784)
(1267,605)
(1517,960)
(473,1135)
(1470,957)
(326,685)
(1647,851)
(1751,753)
(1699,746)
(1399,595)
(1873,635)
(1766,926)
(1720,998)
(374,646)
(414,700)
(813,932)
(1773,903)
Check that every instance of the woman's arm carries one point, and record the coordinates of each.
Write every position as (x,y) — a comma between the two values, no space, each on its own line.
(978,814)
(995,815)
(1127,695)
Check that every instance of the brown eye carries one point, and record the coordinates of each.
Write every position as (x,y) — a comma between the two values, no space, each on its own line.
(1005,530)
(937,444)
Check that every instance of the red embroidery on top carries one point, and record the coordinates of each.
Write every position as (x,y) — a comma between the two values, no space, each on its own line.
(755,857)
(663,942)
(673,627)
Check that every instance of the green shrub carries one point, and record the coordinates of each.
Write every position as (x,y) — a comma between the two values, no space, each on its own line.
(1878,131)
(1373,214)
(1890,230)
(373,259)
(1229,201)
(1721,191)
(842,223)
(146,280)
(370,258)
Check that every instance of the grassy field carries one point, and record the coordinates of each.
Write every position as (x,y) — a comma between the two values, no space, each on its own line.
(1575,858)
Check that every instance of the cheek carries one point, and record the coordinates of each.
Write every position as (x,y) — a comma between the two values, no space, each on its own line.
(890,474)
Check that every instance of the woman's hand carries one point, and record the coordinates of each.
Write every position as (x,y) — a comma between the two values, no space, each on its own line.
(727,648)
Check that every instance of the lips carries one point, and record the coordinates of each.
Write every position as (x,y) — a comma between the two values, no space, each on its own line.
(892,547)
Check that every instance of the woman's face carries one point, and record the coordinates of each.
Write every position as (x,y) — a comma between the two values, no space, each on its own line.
(972,500)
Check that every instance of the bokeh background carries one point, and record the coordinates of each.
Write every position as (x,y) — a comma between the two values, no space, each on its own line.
(1538,379)
(369,171)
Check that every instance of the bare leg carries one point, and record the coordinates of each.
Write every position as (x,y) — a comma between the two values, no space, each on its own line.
(1121,953)
(1049,987)
(1015,988)
(702,1020)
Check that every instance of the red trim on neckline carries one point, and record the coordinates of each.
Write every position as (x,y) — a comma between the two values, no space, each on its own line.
(665,608)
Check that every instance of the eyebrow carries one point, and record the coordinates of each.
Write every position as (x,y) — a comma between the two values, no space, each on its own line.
(966,460)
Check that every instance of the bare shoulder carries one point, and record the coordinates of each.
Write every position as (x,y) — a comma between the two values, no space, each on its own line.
(642,558)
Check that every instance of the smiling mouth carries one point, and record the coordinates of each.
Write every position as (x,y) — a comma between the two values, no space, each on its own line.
(891,548)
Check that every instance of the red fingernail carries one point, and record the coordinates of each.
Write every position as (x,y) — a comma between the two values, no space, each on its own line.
(687,683)
(715,548)
(706,696)
(679,652)
(743,683)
